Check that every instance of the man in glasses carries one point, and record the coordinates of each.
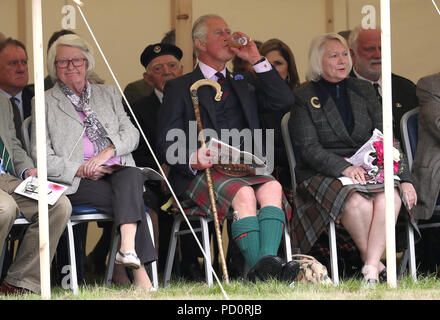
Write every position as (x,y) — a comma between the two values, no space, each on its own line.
(23,275)
(14,79)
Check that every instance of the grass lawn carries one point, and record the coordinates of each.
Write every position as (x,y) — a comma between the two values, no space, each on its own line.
(426,288)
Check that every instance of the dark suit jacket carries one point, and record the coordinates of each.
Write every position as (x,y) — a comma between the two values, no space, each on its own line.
(177,111)
(146,111)
(27,95)
(404,100)
(319,134)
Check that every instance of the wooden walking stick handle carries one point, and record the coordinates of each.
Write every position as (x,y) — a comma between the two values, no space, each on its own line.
(194,96)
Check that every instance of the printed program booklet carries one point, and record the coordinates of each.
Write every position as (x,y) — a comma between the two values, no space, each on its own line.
(229,154)
(29,188)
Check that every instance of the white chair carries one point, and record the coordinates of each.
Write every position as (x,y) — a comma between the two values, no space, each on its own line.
(409,132)
(20,221)
(292,164)
(88,214)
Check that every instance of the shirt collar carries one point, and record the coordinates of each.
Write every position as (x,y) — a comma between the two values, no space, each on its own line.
(379,81)
(18,96)
(159,95)
(209,73)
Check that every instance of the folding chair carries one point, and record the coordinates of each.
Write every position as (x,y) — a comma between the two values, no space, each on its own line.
(292,164)
(20,221)
(409,131)
(88,214)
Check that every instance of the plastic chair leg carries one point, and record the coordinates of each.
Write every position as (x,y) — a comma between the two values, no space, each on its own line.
(72,258)
(171,250)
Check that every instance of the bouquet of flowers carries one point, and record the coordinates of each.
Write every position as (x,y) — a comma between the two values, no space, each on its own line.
(371,157)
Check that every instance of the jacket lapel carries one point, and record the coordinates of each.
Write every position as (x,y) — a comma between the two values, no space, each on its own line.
(64,104)
(240,87)
(334,118)
(206,98)
(359,109)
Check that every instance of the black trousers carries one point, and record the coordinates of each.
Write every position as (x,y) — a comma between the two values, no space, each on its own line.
(121,195)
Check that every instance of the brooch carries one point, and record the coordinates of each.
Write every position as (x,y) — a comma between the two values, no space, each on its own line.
(315,102)
(238,77)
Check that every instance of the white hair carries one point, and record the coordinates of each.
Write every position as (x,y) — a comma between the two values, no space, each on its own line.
(316,52)
(71,40)
(199,29)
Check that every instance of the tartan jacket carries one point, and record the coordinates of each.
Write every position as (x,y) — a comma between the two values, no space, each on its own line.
(319,135)
(177,110)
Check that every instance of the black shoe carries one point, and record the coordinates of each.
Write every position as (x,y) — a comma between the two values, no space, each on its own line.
(383,275)
(290,271)
(267,267)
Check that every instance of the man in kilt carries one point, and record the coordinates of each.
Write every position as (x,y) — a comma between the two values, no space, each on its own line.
(260,207)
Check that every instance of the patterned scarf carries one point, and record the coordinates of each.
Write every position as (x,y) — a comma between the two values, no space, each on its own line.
(94,129)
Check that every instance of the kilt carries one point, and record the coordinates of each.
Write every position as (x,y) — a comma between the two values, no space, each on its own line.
(319,199)
(195,200)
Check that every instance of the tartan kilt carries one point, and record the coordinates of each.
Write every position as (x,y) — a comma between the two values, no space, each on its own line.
(195,199)
(319,199)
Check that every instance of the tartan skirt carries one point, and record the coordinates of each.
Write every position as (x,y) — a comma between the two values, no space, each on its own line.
(195,200)
(319,199)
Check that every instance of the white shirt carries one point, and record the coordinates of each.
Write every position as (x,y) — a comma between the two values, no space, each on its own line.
(18,102)
(379,81)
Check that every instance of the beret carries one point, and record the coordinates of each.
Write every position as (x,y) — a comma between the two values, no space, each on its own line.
(159,49)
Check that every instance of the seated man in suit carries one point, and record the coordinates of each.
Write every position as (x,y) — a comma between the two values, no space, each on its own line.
(24,273)
(258,237)
(14,79)
(365,49)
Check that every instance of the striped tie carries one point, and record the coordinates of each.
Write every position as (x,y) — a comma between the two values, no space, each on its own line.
(225,88)
(6,160)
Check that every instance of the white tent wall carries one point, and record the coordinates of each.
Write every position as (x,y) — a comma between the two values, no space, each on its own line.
(125,28)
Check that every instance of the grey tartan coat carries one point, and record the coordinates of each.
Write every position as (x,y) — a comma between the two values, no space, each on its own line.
(320,138)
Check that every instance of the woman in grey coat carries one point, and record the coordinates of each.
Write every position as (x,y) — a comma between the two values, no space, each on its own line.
(87,130)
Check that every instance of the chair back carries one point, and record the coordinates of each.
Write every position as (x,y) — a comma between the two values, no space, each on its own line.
(289,148)
(25,133)
(409,132)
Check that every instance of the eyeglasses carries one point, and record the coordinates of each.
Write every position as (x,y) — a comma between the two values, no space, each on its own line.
(159,68)
(64,63)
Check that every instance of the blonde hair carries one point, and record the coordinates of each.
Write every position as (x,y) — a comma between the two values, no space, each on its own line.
(70,40)
(316,52)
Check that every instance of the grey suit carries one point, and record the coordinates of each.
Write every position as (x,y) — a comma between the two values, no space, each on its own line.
(426,166)
(25,271)
(65,153)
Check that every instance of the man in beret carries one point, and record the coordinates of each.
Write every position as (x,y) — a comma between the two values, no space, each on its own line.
(162,63)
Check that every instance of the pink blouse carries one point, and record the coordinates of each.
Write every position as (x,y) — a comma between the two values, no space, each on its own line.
(89,149)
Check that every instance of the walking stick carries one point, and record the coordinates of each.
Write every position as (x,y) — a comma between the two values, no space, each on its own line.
(195,99)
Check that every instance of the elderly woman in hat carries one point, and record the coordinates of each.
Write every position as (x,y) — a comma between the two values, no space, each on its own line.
(333,116)
(87,130)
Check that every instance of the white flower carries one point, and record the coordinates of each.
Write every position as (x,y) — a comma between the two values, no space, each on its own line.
(396,155)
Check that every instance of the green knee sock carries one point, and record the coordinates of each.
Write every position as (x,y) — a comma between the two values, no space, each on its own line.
(272,220)
(246,233)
